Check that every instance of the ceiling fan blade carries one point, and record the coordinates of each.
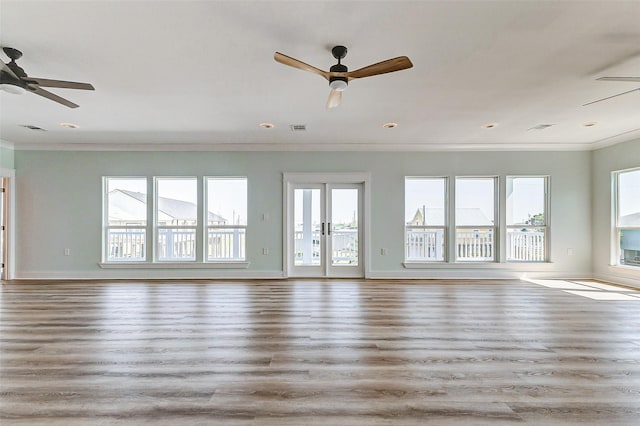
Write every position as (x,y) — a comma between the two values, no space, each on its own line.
(49,95)
(614,96)
(5,68)
(293,62)
(390,65)
(335,99)
(45,82)
(636,79)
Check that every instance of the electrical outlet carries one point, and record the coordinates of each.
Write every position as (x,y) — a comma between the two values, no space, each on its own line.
(383,251)
(569,252)
(265,217)
(67,252)
(265,251)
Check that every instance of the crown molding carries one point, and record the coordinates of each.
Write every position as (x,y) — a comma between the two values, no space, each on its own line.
(307,147)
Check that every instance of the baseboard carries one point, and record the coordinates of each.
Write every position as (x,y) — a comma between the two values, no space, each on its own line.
(474,274)
(137,274)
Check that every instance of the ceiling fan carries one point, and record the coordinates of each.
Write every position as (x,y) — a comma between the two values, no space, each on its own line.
(633,79)
(339,75)
(14,79)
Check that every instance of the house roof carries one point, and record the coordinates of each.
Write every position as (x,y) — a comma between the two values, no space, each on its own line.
(632,219)
(121,209)
(201,75)
(464,216)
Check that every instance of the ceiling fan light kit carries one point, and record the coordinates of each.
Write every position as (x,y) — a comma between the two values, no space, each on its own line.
(13,79)
(339,75)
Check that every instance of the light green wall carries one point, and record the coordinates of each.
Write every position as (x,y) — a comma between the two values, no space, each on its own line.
(59,204)
(618,157)
(6,158)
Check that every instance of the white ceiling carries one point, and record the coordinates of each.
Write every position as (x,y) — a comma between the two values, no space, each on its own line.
(201,74)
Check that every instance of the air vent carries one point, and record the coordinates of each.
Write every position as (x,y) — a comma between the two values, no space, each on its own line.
(298,127)
(541,127)
(32,127)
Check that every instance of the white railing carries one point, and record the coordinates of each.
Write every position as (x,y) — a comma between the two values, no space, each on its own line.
(425,244)
(126,245)
(344,247)
(226,244)
(526,246)
(474,245)
(176,244)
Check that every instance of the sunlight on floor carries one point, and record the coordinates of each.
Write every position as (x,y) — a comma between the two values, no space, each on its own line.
(591,289)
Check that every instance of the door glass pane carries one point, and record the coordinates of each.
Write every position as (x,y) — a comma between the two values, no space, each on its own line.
(344,227)
(307,227)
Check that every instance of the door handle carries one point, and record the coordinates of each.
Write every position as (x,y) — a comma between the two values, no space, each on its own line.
(329,229)
(322,231)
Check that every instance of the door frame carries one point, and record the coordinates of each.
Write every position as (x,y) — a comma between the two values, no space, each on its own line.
(9,233)
(290,179)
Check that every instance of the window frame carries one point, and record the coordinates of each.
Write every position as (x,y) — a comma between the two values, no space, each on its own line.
(496,221)
(545,227)
(207,227)
(157,227)
(106,227)
(616,252)
(444,228)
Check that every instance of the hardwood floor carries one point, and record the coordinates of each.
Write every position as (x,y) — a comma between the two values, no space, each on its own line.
(327,352)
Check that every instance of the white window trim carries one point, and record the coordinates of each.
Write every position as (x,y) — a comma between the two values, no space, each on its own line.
(207,227)
(106,227)
(615,228)
(497,247)
(152,228)
(547,203)
(444,227)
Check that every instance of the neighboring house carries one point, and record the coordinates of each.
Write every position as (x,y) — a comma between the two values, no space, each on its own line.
(129,208)
(427,216)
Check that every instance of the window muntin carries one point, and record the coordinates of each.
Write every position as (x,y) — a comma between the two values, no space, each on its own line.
(226,218)
(475,218)
(627,217)
(526,213)
(176,216)
(425,219)
(125,219)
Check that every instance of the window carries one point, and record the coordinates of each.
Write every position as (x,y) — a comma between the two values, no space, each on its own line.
(425,218)
(125,219)
(475,217)
(627,217)
(526,199)
(226,218)
(176,218)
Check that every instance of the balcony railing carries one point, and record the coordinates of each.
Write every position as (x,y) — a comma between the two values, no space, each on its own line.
(226,243)
(175,244)
(344,245)
(474,245)
(126,245)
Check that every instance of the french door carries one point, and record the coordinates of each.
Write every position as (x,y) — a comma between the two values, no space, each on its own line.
(325,233)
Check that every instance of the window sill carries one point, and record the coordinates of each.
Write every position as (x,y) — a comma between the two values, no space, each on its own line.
(532,266)
(626,270)
(175,265)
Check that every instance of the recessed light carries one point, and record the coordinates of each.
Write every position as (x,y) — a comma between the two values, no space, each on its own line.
(70,125)
(489,125)
(390,125)
(590,123)
(266,125)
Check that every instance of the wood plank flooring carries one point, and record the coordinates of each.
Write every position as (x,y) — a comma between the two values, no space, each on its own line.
(329,352)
